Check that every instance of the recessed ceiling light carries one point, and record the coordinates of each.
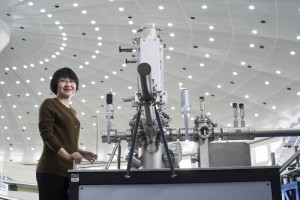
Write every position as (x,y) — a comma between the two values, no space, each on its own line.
(246,96)
(97,28)
(292,53)
(251,45)
(121,9)
(14,106)
(229,125)
(170,24)
(172,34)
(83,12)
(273,107)
(298,37)
(119,107)
(30,3)
(130,22)
(123,65)
(53,56)
(161,7)
(129,87)
(43,10)
(17,82)
(278,72)
(8,95)
(219,86)
(36,106)
(99,38)
(75,5)
(254,31)
(114,72)
(82,113)
(211,27)
(211,39)
(204,7)
(57,22)
(172,108)
(39,93)
(81,66)
(64,34)
(57,53)
(256,115)
(133,31)
(243,63)
(251,7)
(27,81)
(234,73)
(190,77)
(168,57)
(60,27)
(267,83)
(41,62)
(93,22)
(106,77)
(7,138)
(64,38)
(97,51)
(63,44)
(201,64)
(207,55)
(2,82)
(49,15)
(171,48)
(86,62)
(298,93)
(99,43)
(93,56)
(42,79)
(206,93)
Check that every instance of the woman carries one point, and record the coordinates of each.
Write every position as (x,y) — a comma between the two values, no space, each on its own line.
(59,129)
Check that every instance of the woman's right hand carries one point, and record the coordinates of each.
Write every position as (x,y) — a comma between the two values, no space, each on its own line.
(77,157)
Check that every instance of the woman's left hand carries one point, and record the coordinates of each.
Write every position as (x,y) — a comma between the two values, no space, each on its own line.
(90,156)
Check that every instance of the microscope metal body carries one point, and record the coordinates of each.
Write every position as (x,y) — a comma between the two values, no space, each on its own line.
(150,126)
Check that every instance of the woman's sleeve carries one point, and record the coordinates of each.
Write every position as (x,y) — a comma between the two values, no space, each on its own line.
(46,124)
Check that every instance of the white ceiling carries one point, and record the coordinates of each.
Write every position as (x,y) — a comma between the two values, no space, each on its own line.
(40,44)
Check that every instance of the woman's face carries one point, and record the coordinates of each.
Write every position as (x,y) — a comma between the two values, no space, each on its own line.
(66,87)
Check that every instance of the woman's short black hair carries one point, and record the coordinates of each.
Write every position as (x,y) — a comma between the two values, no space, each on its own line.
(65,73)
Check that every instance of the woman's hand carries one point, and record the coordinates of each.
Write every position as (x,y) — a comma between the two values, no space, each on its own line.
(75,156)
(90,156)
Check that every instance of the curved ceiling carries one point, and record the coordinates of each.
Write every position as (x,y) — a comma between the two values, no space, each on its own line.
(225,50)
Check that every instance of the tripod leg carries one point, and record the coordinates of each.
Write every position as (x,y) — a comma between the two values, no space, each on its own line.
(135,130)
(165,142)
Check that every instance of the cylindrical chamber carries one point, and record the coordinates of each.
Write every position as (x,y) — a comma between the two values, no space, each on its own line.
(150,31)
(152,160)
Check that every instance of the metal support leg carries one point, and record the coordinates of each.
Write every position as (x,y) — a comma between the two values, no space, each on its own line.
(119,156)
(136,127)
(165,142)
